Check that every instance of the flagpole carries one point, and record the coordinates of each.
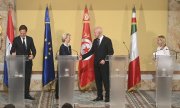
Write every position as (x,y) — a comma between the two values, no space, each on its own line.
(6,33)
(9,38)
(1,30)
(133,4)
(86,67)
(134,75)
(48,74)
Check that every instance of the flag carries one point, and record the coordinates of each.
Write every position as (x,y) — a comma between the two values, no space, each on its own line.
(9,41)
(48,61)
(86,66)
(134,76)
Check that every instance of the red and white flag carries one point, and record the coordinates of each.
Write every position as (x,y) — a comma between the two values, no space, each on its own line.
(134,75)
(86,66)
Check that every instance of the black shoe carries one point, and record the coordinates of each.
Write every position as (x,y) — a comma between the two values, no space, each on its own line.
(106,100)
(29,97)
(98,99)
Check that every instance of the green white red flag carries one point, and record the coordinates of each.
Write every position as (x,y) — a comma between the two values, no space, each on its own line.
(134,75)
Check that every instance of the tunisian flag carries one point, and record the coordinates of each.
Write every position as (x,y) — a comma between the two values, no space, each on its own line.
(9,41)
(86,66)
(134,76)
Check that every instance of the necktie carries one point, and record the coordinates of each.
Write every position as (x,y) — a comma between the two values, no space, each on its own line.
(24,45)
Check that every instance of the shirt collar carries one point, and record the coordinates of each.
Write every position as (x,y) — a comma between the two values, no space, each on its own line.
(101,37)
(23,37)
(67,45)
(162,48)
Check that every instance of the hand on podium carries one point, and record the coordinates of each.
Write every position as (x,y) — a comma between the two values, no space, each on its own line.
(102,62)
(14,53)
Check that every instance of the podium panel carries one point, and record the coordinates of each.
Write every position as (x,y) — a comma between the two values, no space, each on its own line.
(118,71)
(16,72)
(164,73)
(66,72)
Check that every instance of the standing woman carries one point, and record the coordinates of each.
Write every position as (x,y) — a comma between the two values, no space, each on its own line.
(65,49)
(162,48)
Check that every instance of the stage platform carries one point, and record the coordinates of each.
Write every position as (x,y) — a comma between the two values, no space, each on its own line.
(136,99)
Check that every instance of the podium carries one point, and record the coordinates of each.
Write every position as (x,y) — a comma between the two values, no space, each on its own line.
(118,71)
(164,72)
(66,78)
(16,83)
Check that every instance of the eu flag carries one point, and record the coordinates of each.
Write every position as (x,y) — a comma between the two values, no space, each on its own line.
(48,62)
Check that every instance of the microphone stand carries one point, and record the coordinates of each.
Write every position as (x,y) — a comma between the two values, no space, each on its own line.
(155,56)
(174,52)
(169,50)
(76,53)
(127,49)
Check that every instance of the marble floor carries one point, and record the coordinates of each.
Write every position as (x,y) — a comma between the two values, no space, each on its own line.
(137,99)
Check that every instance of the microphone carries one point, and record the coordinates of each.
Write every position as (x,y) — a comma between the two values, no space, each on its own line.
(57,54)
(174,52)
(126,48)
(76,53)
(71,49)
(166,49)
(156,52)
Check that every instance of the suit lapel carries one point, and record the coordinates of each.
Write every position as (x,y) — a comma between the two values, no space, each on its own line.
(102,42)
(19,39)
(27,42)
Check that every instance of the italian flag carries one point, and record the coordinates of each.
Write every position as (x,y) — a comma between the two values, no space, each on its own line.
(134,76)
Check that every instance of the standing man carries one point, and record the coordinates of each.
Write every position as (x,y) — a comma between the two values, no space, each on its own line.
(24,45)
(102,46)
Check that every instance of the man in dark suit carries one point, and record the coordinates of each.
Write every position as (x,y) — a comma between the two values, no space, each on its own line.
(102,46)
(24,45)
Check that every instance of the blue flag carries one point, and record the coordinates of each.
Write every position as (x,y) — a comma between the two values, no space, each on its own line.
(48,62)
(5,80)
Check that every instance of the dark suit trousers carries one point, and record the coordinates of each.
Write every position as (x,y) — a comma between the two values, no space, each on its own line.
(28,72)
(102,78)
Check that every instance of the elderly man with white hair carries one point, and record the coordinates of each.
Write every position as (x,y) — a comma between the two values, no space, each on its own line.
(102,46)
